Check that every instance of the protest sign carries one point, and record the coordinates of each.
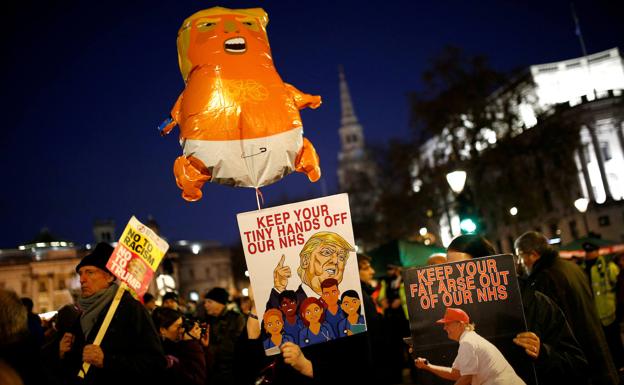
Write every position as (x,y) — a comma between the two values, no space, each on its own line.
(134,261)
(303,271)
(486,289)
(137,256)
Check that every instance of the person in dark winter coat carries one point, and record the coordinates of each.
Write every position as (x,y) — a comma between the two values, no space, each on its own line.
(561,358)
(186,364)
(567,285)
(66,317)
(550,342)
(34,322)
(375,324)
(19,350)
(226,325)
(130,351)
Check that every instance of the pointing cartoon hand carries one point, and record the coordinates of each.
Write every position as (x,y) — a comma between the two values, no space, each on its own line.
(281,275)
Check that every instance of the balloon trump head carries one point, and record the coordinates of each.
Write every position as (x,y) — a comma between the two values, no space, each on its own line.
(212,35)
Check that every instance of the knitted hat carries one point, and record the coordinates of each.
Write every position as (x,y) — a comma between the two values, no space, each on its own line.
(218,294)
(98,257)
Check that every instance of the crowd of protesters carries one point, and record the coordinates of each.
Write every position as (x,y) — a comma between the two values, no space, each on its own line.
(573,316)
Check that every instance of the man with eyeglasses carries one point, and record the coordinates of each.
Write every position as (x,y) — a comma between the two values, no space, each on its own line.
(567,285)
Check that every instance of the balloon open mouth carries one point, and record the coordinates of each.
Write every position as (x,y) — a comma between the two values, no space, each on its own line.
(235,45)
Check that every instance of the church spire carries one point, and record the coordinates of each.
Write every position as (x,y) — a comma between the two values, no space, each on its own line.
(351,132)
(357,171)
(348,114)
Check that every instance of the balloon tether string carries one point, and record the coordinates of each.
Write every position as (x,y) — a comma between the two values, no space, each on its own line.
(259,197)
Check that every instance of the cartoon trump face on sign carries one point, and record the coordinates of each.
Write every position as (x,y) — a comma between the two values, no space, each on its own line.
(323,256)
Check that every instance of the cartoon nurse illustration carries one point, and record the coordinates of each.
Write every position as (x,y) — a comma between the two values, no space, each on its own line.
(288,306)
(274,326)
(354,321)
(316,329)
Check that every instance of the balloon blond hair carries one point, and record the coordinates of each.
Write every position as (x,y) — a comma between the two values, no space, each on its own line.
(184,33)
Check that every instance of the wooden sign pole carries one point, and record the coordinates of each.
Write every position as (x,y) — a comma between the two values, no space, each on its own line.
(107,320)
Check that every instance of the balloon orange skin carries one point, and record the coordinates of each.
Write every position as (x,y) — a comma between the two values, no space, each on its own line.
(239,122)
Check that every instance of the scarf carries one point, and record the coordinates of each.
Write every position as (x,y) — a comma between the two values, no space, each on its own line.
(92,307)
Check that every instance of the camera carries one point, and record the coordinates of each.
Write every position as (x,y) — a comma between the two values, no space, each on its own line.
(189,323)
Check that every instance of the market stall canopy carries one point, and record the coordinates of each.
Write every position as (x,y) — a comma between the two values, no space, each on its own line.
(575,248)
(401,253)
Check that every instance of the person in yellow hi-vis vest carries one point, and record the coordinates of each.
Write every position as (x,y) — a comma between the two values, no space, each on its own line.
(603,278)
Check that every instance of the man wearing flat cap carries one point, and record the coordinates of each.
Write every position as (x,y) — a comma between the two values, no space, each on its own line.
(226,326)
(478,361)
(130,352)
(567,285)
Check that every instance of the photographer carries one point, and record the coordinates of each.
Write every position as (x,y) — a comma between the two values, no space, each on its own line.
(184,342)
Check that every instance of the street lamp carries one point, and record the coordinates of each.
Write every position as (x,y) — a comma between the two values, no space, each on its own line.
(457,180)
(581,205)
(513,212)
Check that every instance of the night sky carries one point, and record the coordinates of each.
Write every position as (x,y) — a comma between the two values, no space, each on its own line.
(86,83)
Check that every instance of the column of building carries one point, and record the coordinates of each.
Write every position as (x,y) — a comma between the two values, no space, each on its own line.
(591,126)
(583,161)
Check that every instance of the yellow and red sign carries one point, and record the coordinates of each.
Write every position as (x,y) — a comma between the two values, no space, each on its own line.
(137,256)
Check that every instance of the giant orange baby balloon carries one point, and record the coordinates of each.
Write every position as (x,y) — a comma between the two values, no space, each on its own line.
(239,122)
